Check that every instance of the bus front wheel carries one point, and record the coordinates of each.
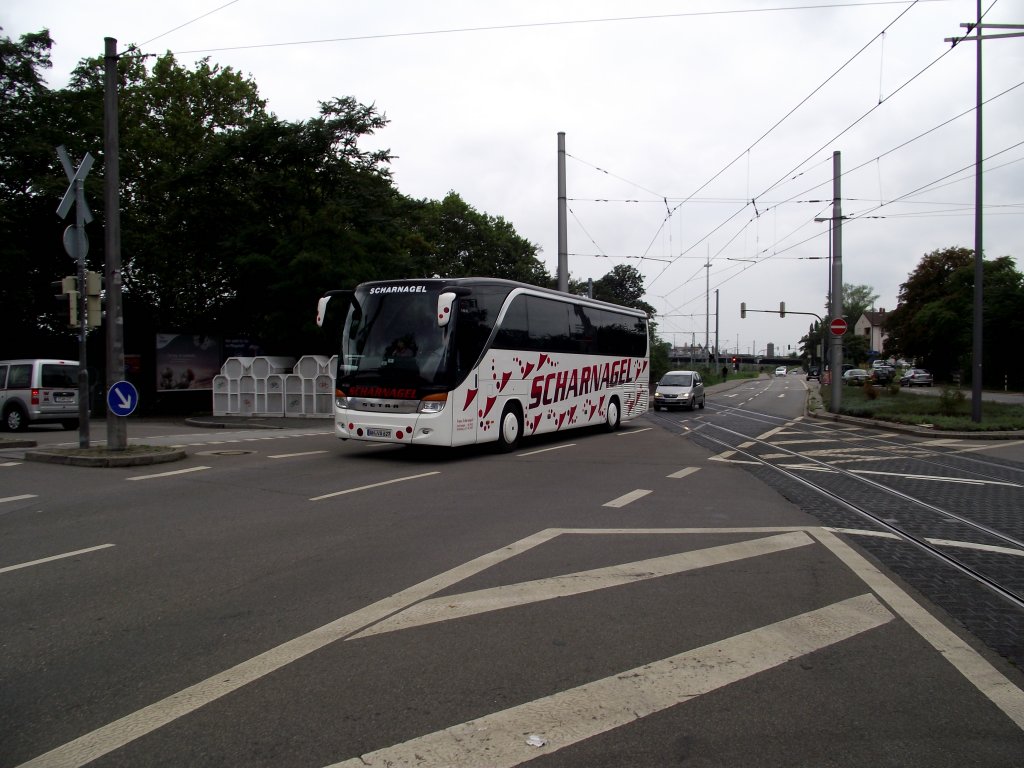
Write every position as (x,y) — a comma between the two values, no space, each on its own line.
(612,421)
(510,430)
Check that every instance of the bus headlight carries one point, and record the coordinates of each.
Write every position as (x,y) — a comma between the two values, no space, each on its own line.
(340,400)
(433,403)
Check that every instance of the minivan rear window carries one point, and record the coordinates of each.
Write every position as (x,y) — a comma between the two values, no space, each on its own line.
(58,376)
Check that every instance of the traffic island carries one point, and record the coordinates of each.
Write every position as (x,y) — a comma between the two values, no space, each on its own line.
(132,456)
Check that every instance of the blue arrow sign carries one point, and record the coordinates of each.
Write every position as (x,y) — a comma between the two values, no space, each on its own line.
(122,398)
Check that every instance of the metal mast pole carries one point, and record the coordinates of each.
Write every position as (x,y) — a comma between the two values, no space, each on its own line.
(837,283)
(117,427)
(979,267)
(563,240)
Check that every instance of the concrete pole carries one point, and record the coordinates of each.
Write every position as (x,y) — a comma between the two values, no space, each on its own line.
(837,282)
(563,240)
(117,426)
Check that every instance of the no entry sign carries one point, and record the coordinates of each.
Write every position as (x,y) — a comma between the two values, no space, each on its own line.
(837,326)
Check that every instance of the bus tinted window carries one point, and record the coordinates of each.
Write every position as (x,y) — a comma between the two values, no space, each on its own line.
(549,324)
(534,323)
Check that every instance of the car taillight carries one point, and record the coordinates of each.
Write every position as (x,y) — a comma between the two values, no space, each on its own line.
(35,397)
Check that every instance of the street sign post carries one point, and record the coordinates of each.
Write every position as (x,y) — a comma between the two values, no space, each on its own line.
(77,246)
(837,326)
(122,398)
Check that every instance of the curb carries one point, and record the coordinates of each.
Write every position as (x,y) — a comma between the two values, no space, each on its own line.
(6,443)
(105,459)
(909,429)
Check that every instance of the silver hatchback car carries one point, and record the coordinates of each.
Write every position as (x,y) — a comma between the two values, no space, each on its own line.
(679,389)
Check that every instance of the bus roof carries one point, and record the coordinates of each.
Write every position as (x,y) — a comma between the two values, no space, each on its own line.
(440,283)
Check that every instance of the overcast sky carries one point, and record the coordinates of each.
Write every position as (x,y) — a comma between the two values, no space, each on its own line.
(697,131)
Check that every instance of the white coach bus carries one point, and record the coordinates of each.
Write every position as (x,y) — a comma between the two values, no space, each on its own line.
(473,360)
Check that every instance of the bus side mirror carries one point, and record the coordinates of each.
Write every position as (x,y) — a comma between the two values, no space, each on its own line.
(321,310)
(445,304)
(321,305)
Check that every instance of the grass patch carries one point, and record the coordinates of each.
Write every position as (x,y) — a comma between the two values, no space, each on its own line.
(950,410)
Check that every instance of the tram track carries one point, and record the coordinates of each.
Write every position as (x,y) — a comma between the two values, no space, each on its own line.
(951,526)
(921,449)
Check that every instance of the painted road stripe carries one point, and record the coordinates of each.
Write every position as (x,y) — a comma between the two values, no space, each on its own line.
(986,678)
(991,548)
(512,595)
(545,450)
(167,474)
(684,473)
(802,442)
(10,464)
(293,455)
(624,432)
(54,557)
(499,740)
(102,741)
(770,433)
(628,498)
(373,485)
(18,498)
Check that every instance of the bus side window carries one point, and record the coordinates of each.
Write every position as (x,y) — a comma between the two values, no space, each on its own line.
(515,329)
(549,325)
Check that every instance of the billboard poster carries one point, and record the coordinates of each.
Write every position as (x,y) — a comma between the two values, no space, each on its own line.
(186,361)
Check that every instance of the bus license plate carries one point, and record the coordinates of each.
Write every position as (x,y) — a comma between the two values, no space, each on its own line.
(377,432)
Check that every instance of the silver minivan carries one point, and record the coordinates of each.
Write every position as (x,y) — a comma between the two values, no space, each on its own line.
(679,389)
(38,392)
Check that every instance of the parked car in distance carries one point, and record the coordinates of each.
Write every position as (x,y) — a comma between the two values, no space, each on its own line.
(679,389)
(916,377)
(882,374)
(781,371)
(813,373)
(855,376)
(38,392)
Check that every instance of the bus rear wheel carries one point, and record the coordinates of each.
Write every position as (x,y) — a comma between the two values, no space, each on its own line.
(612,415)
(510,429)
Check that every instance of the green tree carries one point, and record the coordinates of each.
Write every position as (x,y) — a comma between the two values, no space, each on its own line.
(933,323)
(31,185)
(233,222)
(857,299)
(450,238)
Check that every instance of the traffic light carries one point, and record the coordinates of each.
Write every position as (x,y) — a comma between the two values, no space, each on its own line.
(93,287)
(68,287)
(743,309)
(782,309)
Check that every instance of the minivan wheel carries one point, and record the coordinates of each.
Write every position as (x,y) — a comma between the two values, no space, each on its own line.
(15,420)
(702,403)
(69,424)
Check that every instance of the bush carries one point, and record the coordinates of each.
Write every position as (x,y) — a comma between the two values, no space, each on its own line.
(869,390)
(951,402)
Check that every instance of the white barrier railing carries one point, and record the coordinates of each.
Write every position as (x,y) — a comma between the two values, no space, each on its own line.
(275,386)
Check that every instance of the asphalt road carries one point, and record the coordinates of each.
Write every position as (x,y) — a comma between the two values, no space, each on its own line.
(280,598)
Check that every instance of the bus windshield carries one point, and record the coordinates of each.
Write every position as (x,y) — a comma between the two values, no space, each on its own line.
(394,340)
